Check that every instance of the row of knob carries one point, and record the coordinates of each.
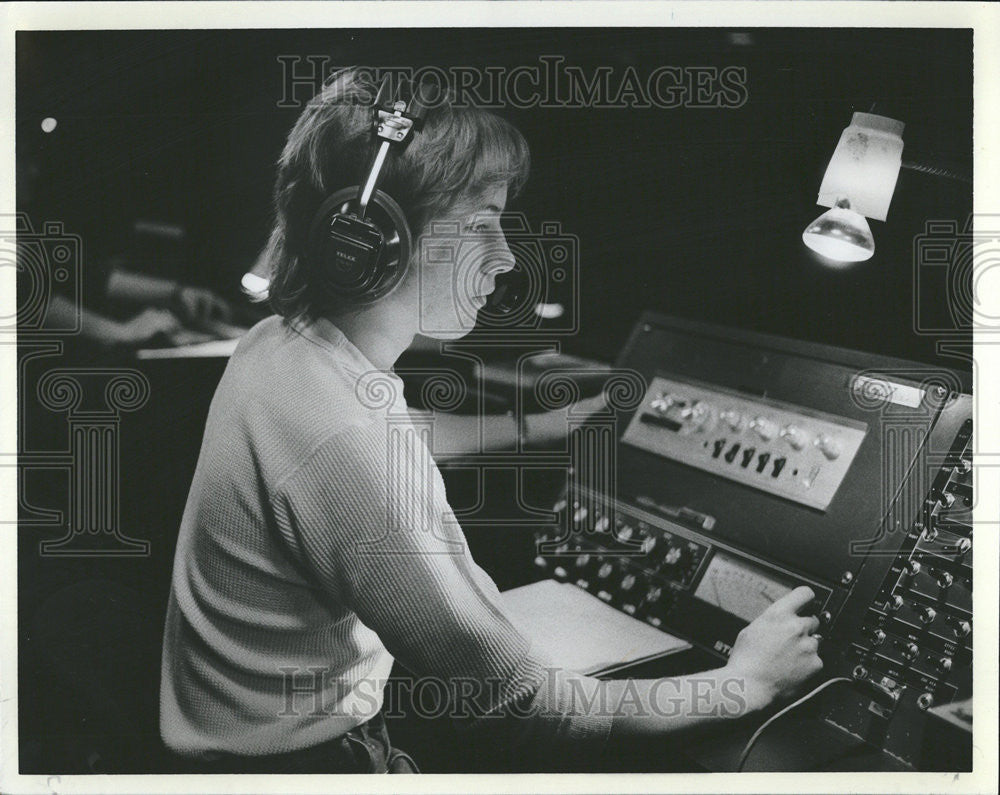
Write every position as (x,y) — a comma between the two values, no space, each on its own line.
(702,417)
(911,651)
(627,586)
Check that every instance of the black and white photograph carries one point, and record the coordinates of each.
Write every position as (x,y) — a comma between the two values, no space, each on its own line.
(460,390)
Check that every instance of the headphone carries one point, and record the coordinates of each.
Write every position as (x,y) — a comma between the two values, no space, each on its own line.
(359,241)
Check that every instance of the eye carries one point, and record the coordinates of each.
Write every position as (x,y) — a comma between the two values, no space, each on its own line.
(479,227)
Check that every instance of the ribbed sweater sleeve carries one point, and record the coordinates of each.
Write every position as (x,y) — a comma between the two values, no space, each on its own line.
(404,569)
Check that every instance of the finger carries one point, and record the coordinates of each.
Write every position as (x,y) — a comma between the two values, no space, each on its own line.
(220,308)
(794,601)
(808,625)
(166,321)
(202,305)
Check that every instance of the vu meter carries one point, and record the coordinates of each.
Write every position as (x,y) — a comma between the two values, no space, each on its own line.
(740,587)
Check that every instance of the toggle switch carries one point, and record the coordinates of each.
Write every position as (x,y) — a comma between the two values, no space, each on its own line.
(628,581)
(605,571)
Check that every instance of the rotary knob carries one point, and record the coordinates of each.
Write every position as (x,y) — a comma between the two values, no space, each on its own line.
(732,418)
(964,466)
(944,664)
(947,499)
(829,446)
(945,579)
(628,581)
(701,416)
(913,567)
(893,603)
(962,628)
(926,614)
(963,545)
(765,428)
(663,403)
(878,637)
(605,571)
(654,594)
(925,700)
(910,651)
(795,437)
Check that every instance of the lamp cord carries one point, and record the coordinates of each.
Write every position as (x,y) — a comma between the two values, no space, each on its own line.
(756,735)
(936,171)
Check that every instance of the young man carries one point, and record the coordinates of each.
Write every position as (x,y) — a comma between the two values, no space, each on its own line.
(317,543)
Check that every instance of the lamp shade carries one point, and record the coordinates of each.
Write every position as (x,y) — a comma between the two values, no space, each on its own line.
(865,166)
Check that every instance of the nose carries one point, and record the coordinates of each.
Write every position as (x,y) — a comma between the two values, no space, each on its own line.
(498,257)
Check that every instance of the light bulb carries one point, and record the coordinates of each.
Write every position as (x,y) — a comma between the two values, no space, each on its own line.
(840,234)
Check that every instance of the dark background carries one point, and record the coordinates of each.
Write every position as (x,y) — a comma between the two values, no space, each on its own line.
(692,212)
(696,212)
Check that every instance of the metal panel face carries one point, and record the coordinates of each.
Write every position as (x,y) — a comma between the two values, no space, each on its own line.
(782,449)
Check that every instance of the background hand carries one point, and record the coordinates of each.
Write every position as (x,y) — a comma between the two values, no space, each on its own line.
(194,304)
(149,326)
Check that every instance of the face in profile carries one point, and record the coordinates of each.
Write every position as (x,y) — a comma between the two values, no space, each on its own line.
(458,258)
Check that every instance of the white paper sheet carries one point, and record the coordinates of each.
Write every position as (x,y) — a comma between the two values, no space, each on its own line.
(579,632)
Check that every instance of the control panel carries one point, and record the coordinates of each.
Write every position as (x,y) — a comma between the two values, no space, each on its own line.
(782,449)
(664,574)
(914,636)
(753,465)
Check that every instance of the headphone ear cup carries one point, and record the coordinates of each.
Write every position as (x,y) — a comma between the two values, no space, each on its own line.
(357,260)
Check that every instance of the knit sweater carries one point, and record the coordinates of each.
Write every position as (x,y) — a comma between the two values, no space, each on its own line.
(317,544)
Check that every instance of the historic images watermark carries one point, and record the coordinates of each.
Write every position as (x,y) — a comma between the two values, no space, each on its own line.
(318,691)
(49,309)
(550,82)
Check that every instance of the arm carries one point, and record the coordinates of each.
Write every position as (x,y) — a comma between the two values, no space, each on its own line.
(63,313)
(402,566)
(464,434)
(191,303)
(772,657)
